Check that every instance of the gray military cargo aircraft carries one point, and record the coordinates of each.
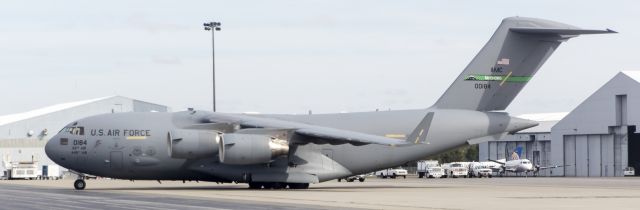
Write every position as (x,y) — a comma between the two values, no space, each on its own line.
(279,151)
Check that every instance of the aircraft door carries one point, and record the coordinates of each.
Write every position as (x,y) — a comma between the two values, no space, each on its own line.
(116,160)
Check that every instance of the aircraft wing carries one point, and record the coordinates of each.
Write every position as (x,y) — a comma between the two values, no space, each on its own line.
(305,133)
(497,161)
(335,136)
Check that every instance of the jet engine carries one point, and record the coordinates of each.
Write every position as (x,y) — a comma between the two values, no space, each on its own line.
(192,144)
(245,149)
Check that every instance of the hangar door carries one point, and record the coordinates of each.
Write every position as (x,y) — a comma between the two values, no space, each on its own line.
(634,149)
(589,155)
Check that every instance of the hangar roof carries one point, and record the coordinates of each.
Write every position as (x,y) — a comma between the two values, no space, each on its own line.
(603,108)
(6,119)
(635,75)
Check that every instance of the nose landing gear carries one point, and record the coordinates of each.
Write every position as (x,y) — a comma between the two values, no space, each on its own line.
(79,184)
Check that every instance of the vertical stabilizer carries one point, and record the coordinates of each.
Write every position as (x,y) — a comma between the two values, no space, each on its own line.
(506,63)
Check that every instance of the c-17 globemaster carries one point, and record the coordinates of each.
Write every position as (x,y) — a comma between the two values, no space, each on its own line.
(279,151)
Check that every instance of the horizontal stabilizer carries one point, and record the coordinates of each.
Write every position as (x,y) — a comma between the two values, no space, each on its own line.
(560,31)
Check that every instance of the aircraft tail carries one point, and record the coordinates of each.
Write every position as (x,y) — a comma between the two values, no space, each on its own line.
(517,153)
(507,62)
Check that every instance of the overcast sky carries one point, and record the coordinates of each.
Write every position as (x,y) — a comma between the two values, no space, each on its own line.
(292,56)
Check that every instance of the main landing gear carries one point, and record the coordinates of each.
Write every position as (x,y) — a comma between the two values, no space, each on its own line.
(277,185)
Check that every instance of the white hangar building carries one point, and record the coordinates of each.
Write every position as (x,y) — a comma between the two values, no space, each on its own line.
(598,138)
(23,135)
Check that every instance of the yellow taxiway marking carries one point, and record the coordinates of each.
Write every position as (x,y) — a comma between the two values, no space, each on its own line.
(505,78)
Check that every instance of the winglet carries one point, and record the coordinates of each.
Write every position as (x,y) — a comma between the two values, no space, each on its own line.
(419,134)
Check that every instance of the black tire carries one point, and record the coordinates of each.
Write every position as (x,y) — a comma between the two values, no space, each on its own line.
(267,185)
(350,180)
(255,185)
(361,179)
(339,180)
(404,176)
(278,185)
(79,184)
(298,185)
(393,176)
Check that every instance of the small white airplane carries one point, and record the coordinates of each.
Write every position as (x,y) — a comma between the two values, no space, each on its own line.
(518,166)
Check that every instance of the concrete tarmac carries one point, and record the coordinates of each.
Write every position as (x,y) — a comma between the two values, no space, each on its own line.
(374,193)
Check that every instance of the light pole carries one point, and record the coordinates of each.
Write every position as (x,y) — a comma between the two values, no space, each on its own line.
(213,26)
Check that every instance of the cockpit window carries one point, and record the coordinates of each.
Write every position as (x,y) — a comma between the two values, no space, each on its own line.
(74,130)
(525,162)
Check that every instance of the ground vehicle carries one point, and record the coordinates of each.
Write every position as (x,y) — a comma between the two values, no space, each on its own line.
(479,169)
(359,177)
(629,171)
(456,170)
(435,172)
(392,173)
(424,165)
(51,172)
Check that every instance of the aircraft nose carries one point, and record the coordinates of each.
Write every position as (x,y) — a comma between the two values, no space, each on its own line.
(50,148)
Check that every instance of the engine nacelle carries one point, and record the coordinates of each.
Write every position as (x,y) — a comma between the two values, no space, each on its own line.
(192,144)
(245,149)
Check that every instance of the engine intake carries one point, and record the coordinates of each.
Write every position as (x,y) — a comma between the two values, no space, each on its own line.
(192,144)
(245,149)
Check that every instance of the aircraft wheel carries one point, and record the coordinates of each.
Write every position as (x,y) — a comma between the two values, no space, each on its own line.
(255,185)
(278,185)
(79,184)
(361,179)
(268,185)
(298,185)
(405,176)
(339,180)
